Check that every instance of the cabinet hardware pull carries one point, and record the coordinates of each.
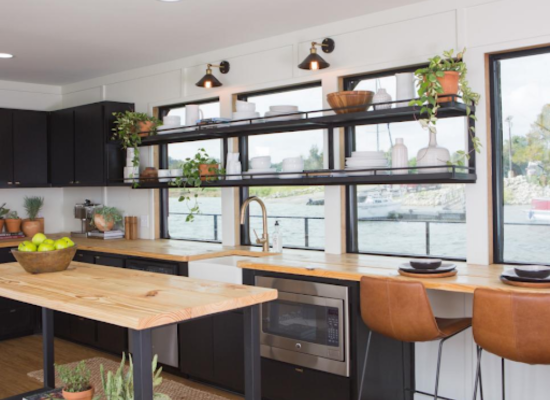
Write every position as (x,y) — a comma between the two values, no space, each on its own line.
(71,182)
(300,370)
(77,182)
(10,183)
(18,183)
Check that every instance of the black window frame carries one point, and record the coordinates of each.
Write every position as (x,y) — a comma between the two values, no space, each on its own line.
(163,164)
(497,144)
(352,228)
(244,192)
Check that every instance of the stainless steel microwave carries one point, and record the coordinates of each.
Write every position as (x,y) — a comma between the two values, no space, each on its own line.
(308,325)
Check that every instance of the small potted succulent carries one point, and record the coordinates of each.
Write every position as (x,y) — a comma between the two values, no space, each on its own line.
(443,77)
(105,218)
(130,127)
(201,168)
(33,225)
(13,222)
(76,382)
(3,211)
(120,385)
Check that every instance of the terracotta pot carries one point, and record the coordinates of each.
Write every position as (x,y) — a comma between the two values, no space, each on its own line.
(13,225)
(145,128)
(204,170)
(87,395)
(31,228)
(1,225)
(449,83)
(101,225)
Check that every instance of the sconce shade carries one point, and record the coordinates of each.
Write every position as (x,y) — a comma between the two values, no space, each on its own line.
(209,81)
(313,62)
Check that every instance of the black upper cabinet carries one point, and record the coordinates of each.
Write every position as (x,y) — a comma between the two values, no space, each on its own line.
(23,148)
(62,147)
(82,153)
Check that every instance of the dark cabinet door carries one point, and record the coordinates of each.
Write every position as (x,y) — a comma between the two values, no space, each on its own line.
(30,148)
(112,338)
(89,145)
(6,256)
(62,147)
(196,349)
(6,148)
(109,261)
(62,324)
(229,350)
(83,330)
(85,257)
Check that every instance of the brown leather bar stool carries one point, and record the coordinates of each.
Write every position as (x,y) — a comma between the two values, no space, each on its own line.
(401,310)
(513,326)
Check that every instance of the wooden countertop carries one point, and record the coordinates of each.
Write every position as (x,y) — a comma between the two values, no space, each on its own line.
(352,267)
(161,249)
(127,298)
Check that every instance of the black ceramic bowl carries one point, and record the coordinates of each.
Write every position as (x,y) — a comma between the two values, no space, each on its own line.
(425,264)
(532,271)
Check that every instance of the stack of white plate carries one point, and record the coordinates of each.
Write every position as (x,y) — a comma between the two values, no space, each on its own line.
(245,110)
(260,165)
(283,113)
(361,160)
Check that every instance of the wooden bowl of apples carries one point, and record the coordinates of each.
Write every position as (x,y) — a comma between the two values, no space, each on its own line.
(43,255)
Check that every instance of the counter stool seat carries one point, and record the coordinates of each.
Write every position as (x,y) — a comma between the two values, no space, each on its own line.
(401,310)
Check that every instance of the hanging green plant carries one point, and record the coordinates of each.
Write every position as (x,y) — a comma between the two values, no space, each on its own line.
(197,170)
(433,90)
(130,127)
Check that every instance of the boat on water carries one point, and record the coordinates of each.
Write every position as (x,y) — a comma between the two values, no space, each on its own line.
(378,206)
(540,210)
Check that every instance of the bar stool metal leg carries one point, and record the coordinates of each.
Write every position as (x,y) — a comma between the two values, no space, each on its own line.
(364,367)
(478,374)
(503,381)
(439,354)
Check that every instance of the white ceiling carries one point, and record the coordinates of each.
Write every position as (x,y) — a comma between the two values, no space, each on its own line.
(64,41)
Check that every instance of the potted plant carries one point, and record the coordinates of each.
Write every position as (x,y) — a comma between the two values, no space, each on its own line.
(3,211)
(444,76)
(13,222)
(76,382)
(201,168)
(120,385)
(33,225)
(105,218)
(130,127)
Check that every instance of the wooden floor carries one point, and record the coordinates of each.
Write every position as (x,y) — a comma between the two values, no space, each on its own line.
(20,356)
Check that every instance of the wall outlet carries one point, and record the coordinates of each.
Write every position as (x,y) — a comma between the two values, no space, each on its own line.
(144,221)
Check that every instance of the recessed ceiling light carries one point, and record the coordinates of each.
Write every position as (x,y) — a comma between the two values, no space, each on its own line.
(6,55)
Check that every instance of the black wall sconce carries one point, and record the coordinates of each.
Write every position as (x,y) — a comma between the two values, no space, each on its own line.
(209,81)
(314,61)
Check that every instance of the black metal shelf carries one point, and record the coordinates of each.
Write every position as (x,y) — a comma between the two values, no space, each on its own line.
(307,121)
(380,176)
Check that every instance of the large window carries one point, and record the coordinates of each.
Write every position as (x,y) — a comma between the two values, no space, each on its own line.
(421,220)
(521,155)
(207,225)
(299,209)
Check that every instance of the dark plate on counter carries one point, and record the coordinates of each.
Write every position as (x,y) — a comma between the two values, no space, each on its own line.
(445,267)
(426,264)
(532,271)
(511,275)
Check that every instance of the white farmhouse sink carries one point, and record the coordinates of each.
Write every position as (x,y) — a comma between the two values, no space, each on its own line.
(221,269)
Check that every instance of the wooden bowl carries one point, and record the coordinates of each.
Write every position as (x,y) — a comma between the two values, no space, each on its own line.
(45,261)
(360,98)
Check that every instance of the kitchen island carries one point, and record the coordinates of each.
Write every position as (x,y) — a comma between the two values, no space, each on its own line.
(139,301)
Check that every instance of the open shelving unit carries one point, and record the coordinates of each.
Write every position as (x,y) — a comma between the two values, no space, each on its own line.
(311,120)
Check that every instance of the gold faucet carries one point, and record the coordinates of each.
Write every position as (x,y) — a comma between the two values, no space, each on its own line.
(264,241)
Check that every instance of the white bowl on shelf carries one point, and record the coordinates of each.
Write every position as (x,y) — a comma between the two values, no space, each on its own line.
(251,173)
(164,175)
(367,163)
(176,173)
(367,154)
(245,106)
(261,162)
(283,108)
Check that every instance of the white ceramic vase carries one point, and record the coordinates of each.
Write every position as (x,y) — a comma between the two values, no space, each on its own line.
(433,155)
(382,96)
(399,157)
(405,88)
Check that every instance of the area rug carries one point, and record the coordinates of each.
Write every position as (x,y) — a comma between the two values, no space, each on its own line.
(176,390)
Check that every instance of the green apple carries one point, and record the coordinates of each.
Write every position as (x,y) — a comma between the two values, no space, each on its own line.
(69,242)
(39,238)
(60,244)
(27,246)
(46,247)
(49,241)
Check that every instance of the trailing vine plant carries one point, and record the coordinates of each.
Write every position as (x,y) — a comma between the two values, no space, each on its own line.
(429,90)
(192,179)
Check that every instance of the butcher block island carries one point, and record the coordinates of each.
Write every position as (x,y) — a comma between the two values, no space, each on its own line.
(139,301)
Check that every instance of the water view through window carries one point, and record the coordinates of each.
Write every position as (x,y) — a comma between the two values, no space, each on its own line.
(523,109)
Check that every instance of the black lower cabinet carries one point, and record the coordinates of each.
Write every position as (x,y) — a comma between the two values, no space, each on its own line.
(196,348)
(229,350)
(16,319)
(281,381)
